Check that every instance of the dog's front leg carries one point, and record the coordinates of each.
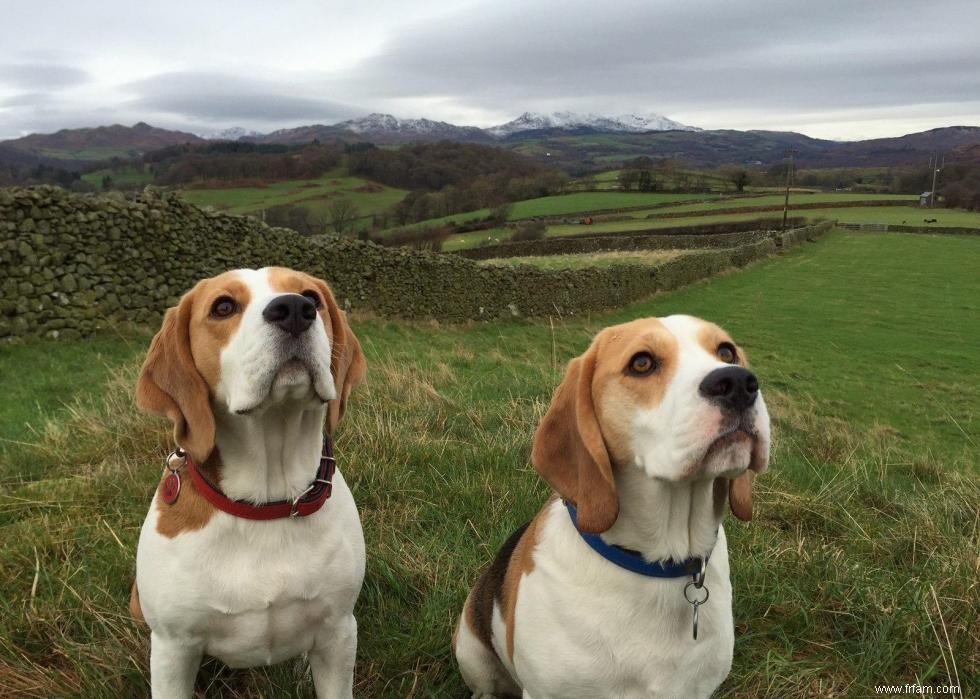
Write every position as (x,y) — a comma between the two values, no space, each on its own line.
(173,667)
(332,660)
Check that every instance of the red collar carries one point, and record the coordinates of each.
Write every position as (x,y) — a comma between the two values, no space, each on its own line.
(308,502)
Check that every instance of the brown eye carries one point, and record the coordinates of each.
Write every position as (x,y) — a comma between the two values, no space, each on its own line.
(313,296)
(727,353)
(642,364)
(223,307)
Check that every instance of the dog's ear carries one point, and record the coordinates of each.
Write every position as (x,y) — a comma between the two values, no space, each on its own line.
(347,363)
(570,453)
(740,496)
(169,383)
(740,489)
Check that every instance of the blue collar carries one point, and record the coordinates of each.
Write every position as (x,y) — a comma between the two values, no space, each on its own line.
(634,561)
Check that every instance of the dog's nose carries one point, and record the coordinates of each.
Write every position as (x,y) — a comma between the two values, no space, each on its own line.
(291,312)
(730,387)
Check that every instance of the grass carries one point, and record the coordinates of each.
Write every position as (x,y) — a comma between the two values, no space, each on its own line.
(125,177)
(592,201)
(901,215)
(636,220)
(598,259)
(315,195)
(860,568)
(562,204)
(795,198)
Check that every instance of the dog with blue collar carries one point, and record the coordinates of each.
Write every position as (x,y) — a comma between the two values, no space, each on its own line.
(620,586)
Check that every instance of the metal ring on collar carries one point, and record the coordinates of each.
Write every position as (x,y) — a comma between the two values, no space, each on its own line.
(696,601)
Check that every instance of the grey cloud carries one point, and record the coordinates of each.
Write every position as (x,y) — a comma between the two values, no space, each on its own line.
(41,75)
(224,97)
(676,56)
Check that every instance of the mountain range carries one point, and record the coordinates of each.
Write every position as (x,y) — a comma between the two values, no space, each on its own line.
(575,142)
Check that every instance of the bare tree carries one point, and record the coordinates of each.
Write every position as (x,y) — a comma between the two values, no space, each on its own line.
(341,214)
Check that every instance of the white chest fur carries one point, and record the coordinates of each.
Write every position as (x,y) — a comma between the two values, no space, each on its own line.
(253,592)
(587,628)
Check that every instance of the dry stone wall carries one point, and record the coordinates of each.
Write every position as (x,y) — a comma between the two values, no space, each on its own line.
(73,264)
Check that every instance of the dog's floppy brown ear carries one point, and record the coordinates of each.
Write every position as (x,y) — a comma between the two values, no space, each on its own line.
(740,489)
(740,496)
(169,383)
(347,364)
(570,453)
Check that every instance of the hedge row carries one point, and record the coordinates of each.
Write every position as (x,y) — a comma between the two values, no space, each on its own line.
(715,235)
(72,264)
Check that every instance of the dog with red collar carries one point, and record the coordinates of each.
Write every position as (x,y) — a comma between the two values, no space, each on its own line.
(252,550)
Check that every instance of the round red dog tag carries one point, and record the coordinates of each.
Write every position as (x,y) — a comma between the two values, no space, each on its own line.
(170,488)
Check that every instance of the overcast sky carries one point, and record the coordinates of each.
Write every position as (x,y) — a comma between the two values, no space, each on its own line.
(840,69)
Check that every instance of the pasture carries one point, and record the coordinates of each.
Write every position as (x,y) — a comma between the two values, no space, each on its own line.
(647,220)
(859,569)
(598,259)
(315,195)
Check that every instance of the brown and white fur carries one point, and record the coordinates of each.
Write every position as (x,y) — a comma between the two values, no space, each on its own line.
(250,397)
(649,458)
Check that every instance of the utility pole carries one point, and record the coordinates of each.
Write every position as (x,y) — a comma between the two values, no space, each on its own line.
(789,171)
(936,167)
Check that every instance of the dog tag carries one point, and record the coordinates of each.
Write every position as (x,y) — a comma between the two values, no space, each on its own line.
(695,602)
(170,489)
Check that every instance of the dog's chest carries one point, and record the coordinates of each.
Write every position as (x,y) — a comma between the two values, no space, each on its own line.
(253,593)
(584,629)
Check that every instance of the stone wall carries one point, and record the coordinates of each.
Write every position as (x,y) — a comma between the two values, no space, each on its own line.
(714,235)
(72,264)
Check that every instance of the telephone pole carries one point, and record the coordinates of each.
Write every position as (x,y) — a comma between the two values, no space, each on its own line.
(789,171)
(936,167)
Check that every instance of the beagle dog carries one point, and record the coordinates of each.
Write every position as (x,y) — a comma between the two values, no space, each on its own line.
(619,587)
(252,549)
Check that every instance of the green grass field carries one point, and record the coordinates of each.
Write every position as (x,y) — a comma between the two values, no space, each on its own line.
(564,204)
(121,177)
(314,195)
(636,220)
(794,198)
(859,569)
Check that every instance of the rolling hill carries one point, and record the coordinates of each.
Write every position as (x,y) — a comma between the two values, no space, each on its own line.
(83,146)
(575,142)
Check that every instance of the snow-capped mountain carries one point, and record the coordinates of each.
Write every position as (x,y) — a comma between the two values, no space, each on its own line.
(568,121)
(387,129)
(378,124)
(233,133)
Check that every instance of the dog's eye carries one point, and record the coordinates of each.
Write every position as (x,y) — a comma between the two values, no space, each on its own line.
(727,353)
(313,296)
(642,364)
(223,307)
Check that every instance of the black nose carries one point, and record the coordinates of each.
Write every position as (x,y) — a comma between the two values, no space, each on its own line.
(291,312)
(730,387)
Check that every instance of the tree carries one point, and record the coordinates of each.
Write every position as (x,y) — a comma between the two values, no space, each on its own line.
(341,214)
(500,213)
(645,181)
(106,183)
(737,175)
(627,179)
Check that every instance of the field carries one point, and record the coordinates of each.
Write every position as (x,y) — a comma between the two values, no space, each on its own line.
(859,569)
(122,177)
(566,204)
(799,198)
(599,259)
(314,195)
(701,213)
